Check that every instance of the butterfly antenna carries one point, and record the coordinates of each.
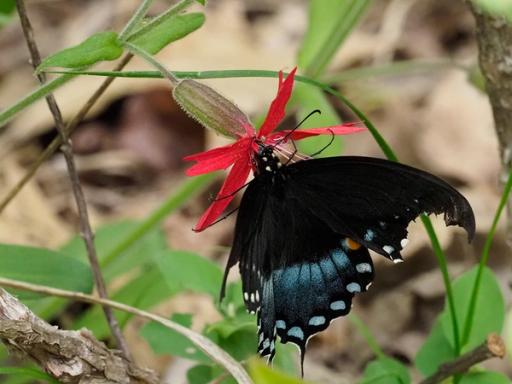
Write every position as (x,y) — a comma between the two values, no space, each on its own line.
(327,146)
(285,137)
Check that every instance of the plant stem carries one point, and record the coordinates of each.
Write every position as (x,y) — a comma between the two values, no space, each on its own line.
(135,20)
(202,342)
(441,260)
(483,261)
(151,60)
(171,12)
(7,114)
(367,334)
(67,150)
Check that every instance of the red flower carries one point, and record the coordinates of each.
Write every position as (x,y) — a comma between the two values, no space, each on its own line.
(240,153)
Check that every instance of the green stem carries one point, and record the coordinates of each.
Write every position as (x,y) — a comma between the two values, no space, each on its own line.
(171,12)
(151,60)
(395,68)
(340,31)
(483,261)
(187,190)
(367,335)
(441,260)
(135,20)
(7,114)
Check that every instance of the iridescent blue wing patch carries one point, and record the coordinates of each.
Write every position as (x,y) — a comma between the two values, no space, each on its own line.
(302,299)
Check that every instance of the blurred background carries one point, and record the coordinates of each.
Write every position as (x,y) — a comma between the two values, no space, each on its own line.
(408,64)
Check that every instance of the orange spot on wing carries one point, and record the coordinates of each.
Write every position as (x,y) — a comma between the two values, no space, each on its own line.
(351,244)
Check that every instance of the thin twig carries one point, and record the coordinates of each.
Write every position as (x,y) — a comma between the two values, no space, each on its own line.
(206,345)
(492,347)
(67,150)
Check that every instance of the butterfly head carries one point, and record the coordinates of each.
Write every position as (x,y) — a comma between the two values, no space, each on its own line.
(266,160)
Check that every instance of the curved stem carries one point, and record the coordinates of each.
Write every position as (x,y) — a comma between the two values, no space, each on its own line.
(483,261)
(202,342)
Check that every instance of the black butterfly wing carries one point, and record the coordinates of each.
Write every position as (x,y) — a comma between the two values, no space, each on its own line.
(297,273)
(373,200)
(295,233)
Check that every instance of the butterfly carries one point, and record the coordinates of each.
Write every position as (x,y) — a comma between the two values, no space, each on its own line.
(304,231)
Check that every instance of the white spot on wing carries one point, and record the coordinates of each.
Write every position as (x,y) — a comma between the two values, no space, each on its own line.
(338,305)
(280,324)
(296,332)
(363,267)
(369,235)
(353,287)
(388,249)
(317,320)
(246,296)
(403,242)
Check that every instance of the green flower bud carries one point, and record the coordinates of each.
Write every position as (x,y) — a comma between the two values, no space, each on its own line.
(210,108)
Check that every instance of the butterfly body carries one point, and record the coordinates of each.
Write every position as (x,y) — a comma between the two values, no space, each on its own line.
(304,230)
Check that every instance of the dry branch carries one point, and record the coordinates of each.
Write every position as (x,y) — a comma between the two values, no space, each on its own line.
(69,356)
(492,347)
(494,37)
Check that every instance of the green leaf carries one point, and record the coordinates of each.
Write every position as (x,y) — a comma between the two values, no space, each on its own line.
(435,351)
(240,344)
(166,341)
(45,267)
(489,312)
(496,7)
(144,291)
(7,8)
(308,99)
(100,46)
(485,377)
(228,326)
(190,271)
(385,371)
(200,374)
(29,373)
(107,237)
(285,359)
(330,22)
(202,2)
(156,35)
(263,374)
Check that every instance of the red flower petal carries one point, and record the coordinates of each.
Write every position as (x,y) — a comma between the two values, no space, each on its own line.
(300,134)
(217,158)
(276,111)
(235,179)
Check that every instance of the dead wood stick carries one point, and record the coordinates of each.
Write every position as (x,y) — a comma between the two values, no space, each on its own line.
(85,226)
(492,347)
(69,356)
